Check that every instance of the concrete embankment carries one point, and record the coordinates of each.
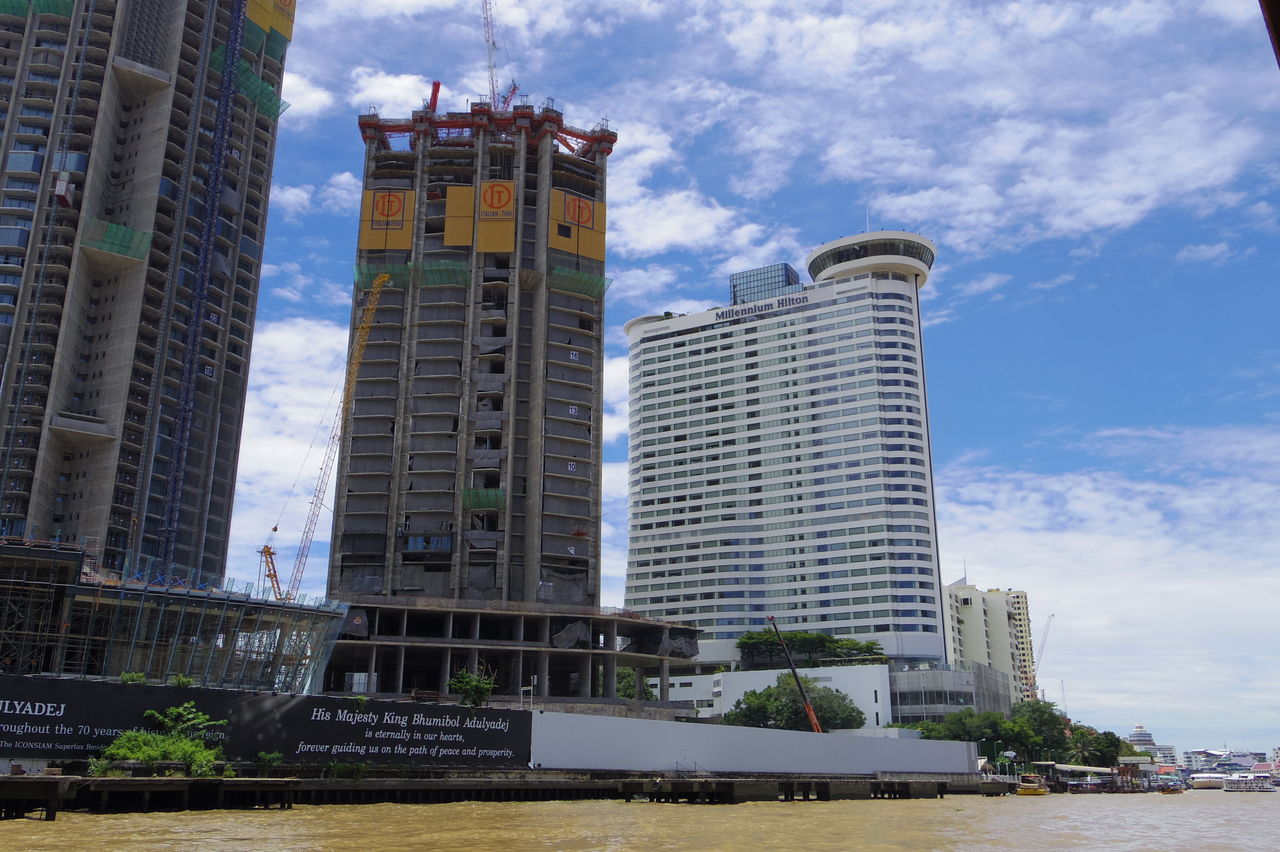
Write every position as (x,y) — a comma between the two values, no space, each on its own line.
(20,796)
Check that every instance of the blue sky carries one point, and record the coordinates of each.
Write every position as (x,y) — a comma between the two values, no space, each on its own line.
(1102,353)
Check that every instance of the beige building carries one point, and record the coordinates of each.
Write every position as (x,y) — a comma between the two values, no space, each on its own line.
(993,628)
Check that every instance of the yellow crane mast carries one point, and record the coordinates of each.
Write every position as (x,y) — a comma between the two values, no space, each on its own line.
(267,552)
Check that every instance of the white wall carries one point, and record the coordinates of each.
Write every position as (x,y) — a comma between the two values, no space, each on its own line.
(570,741)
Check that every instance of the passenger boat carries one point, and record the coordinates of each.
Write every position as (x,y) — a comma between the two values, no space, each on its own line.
(1207,780)
(1032,785)
(1248,782)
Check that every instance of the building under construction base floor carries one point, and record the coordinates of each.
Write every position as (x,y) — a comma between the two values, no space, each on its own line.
(58,617)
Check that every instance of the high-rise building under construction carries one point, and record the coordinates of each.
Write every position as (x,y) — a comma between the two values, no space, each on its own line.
(467,510)
(137,149)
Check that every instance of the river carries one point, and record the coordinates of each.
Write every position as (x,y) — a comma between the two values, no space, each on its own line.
(1199,820)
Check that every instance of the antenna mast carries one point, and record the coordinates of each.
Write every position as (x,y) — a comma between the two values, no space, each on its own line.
(491,42)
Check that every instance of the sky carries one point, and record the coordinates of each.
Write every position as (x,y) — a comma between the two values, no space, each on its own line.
(1101,345)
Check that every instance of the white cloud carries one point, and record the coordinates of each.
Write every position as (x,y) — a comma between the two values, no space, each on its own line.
(341,193)
(1119,558)
(390,95)
(306,98)
(984,284)
(616,392)
(1203,253)
(293,391)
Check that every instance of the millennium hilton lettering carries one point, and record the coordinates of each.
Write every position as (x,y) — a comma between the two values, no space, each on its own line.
(762,307)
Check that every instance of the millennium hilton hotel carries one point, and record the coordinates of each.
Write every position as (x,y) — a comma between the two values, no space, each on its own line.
(780,461)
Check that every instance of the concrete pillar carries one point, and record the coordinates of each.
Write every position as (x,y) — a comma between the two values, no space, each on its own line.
(610,676)
(399,684)
(544,669)
(664,683)
(585,665)
(372,684)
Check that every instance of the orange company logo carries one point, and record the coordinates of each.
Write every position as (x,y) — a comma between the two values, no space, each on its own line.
(496,197)
(388,211)
(579,211)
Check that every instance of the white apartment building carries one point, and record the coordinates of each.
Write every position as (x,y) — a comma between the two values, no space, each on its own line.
(993,628)
(780,461)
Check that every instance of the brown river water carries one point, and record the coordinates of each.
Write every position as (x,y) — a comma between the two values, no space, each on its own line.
(1200,820)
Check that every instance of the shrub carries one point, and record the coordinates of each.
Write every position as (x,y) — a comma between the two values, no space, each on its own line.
(181,680)
(133,677)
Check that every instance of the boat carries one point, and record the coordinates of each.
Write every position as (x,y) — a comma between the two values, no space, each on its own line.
(1248,782)
(1207,780)
(1031,784)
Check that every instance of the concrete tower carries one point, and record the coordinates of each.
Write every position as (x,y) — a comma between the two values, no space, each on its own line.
(466,526)
(134,199)
(780,459)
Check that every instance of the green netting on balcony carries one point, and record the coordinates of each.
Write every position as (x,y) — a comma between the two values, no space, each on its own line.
(117,239)
(442,273)
(432,273)
(483,498)
(276,45)
(53,7)
(401,275)
(254,37)
(15,7)
(583,283)
(251,85)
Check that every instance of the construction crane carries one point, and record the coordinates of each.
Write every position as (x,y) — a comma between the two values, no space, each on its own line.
(268,552)
(491,42)
(1044,637)
(804,696)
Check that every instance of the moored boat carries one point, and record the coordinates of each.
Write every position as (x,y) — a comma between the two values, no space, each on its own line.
(1248,782)
(1031,784)
(1207,780)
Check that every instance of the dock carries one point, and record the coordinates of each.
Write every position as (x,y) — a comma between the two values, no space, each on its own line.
(47,795)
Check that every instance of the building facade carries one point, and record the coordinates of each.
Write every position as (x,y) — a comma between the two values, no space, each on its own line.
(992,628)
(780,463)
(767,282)
(137,150)
(467,516)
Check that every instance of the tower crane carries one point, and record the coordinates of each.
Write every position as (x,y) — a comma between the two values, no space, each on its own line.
(267,552)
(491,42)
(1044,637)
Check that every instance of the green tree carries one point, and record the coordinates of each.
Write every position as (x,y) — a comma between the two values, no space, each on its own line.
(626,686)
(184,720)
(780,706)
(180,739)
(1049,728)
(760,649)
(474,687)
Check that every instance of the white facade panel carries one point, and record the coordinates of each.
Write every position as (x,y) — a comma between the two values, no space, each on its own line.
(568,741)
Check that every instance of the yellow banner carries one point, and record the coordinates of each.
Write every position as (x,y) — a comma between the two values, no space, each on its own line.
(386,219)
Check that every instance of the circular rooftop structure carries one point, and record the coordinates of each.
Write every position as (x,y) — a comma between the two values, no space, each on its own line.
(897,251)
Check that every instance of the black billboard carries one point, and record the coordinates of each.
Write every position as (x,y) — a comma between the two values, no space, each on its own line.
(67,719)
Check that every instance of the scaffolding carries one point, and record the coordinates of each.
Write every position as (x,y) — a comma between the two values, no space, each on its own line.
(57,619)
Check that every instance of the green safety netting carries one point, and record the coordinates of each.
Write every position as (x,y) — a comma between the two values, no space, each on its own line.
(53,7)
(15,7)
(583,283)
(117,239)
(483,498)
(431,273)
(442,273)
(251,85)
(254,37)
(276,45)
(401,274)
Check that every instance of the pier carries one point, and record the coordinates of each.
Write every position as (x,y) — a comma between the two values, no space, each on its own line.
(47,795)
